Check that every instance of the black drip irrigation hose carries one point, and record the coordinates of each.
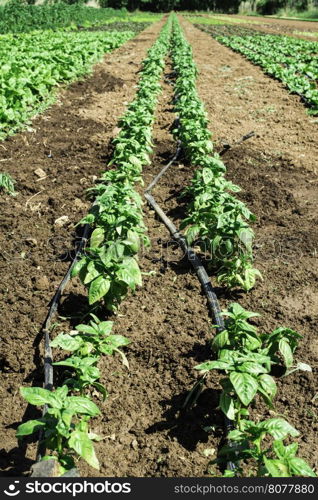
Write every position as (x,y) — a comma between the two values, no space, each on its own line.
(245,137)
(41,468)
(213,303)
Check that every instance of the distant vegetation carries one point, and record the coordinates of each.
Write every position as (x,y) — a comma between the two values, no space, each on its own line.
(23,15)
(18,16)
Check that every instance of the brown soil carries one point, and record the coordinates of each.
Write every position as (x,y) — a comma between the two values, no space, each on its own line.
(146,432)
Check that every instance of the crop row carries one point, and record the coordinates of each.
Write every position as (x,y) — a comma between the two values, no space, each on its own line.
(17,16)
(217,220)
(108,269)
(32,65)
(292,61)
(245,357)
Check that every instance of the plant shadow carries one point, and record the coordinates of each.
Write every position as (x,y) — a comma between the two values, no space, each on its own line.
(189,426)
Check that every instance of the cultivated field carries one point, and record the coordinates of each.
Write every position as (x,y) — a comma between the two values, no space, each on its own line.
(148,378)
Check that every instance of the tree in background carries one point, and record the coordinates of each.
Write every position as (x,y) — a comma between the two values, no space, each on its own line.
(227,6)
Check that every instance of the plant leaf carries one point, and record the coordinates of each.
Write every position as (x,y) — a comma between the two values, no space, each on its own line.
(245,386)
(285,350)
(98,289)
(83,445)
(29,427)
(299,467)
(227,406)
(38,396)
(82,405)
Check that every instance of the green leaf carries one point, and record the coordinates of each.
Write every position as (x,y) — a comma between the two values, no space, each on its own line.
(29,427)
(299,467)
(250,278)
(86,329)
(66,342)
(212,365)
(62,392)
(268,385)
(227,406)
(245,386)
(130,273)
(235,435)
(82,405)
(279,428)
(97,237)
(105,327)
(98,289)
(83,445)
(117,340)
(286,352)
(220,340)
(78,266)
(252,368)
(207,175)
(38,397)
(276,468)
(91,273)
(101,389)
(133,240)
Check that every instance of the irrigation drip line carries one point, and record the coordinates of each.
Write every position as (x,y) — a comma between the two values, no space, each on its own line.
(48,358)
(194,260)
(204,279)
(48,368)
(245,137)
(156,179)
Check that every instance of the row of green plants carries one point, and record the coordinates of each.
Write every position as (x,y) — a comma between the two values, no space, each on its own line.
(217,221)
(246,358)
(33,65)
(65,426)
(109,268)
(292,61)
(17,16)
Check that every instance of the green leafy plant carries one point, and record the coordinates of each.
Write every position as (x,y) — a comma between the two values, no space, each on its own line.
(274,460)
(94,338)
(247,358)
(247,376)
(34,64)
(286,58)
(7,183)
(109,272)
(65,424)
